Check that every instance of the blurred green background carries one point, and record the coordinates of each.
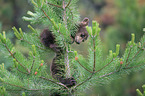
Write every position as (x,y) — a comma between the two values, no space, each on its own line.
(117,18)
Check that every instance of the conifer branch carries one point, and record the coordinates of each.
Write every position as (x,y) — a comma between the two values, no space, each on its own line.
(54,5)
(94,45)
(84,81)
(67,64)
(16,59)
(46,14)
(133,57)
(60,84)
(15,85)
(32,44)
(22,71)
(134,66)
(64,14)
(32,63)
(71,14)
(107,74)
(84,67)
(104,66)
(68,3)
(128,54)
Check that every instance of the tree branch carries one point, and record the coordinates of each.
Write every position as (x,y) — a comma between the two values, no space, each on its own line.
(33,44)
(68,3)
(104,66)
(16,59)
(128,54)
(32,63)
(84,67)
(45,14)
(54,5)
(83,81)
(60,84)
(94,45)
(15,85)
(133,57)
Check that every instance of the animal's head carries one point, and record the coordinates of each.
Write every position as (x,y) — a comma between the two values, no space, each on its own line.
(82,34)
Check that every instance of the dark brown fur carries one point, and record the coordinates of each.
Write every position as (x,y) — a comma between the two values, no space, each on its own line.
(48,40)
(57,69)
(81,34)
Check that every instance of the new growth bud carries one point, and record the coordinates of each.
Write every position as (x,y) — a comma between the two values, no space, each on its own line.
(34,50)
(1,79)
(110,52)
(21,32)
(3,37)
(32,29)
(17,34)
(3,66)
(143,87)
(15,63)
(42,61)
(138,92)
(114,55)
(121,62)
(117,49)
(41,64)
(76,54)
(132,38)
(31,13)
(89,30)
(23,94)
(53,22)
(94,28)
(2,91)
(139,44)
(35,73)
(76,58)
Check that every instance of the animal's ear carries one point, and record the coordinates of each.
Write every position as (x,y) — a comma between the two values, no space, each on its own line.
(85,21)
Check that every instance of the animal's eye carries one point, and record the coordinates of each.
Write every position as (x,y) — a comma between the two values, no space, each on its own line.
(82,35)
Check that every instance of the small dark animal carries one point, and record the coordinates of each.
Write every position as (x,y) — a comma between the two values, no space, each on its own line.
(81,34)
(57,69)
(48,39)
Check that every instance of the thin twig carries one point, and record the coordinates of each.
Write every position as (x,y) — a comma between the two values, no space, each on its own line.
(32,63)
(55,82)
(84,67)
(104,66)
(133,66)
(16,58)
(83,81)
(45,14)
(67,64)
(128,54)
(54,5)
(133,57)
(32,44)
(68,3)
(64,14)
(23,72)
(15,85)
(94,45)
(107,74)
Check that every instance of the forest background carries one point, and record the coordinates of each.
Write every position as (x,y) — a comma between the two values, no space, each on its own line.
(117,18)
